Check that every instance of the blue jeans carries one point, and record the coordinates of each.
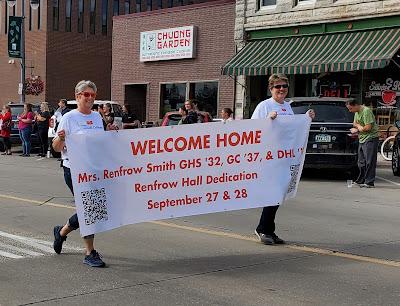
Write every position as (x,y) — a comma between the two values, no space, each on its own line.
(25,135)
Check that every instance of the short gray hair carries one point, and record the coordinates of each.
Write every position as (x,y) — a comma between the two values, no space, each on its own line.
(276,77)
(82,85)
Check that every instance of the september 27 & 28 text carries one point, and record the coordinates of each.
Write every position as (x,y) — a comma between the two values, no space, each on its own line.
(181,143)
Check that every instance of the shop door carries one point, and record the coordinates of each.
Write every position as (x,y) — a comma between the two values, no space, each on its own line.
(135,96)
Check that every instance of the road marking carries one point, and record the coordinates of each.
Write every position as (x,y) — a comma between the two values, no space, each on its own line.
(21,250)
(31,243)
(10,255)
(389,181)
(5,196)
(319,251)
(28,241)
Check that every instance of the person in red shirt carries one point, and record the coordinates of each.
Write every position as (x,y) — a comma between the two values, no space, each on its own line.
(6,128)
(25,120)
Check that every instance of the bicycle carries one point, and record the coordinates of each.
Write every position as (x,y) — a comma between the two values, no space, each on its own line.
(387,148)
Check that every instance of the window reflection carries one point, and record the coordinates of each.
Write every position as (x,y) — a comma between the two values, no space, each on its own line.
(173,96)
(206,96)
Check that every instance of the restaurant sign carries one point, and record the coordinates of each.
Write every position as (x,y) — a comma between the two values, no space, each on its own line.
(388,91)
(168,44)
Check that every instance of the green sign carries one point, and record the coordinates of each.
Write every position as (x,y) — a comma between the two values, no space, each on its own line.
(14,36)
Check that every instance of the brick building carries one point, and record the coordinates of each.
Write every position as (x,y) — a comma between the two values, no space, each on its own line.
(66,41)
(326,47)
(156,86)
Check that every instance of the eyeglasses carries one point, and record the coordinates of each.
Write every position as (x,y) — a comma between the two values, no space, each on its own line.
(88,94)
(281,86)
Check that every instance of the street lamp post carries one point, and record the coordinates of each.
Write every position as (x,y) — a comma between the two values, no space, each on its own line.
(34,5)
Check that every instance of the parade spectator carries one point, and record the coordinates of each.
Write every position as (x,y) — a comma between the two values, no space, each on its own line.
(271,108)
(42,121)
(108,115)
(226,114)
(25,121)
(100,110)
(6,124)
(183,112)
(82,121)
(61,111)
(192,116)
(129,120)
(365,125)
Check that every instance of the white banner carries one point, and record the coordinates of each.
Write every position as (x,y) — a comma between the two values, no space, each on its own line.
(130,176)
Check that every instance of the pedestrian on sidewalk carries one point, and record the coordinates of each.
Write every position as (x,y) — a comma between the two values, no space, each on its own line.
(6,124)
(368,136)
(271,108)
(25,121)
(42,121)
(78,121)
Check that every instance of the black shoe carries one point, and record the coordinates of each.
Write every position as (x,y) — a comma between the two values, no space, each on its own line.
(94,260)
(266,239)
(277,240)
(27,155)
(359,182)
(58,239)
(22,154)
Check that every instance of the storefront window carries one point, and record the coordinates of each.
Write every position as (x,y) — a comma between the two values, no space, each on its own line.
(267,2)
(173,96)
(80,16)
(56,14)
(92,16)
(68,12)
(206,96)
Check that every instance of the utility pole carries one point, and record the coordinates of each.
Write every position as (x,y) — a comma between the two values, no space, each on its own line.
(34,5)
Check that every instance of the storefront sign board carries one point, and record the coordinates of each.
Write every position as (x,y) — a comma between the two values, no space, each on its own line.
(389,91)
(168,44)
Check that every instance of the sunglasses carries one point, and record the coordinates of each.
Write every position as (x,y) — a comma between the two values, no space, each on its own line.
(281,86)
(88,94)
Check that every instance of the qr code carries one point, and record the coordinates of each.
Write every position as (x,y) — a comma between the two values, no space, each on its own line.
(94,206)
(294,172)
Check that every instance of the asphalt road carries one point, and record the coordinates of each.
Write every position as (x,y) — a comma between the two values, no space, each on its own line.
(344,248)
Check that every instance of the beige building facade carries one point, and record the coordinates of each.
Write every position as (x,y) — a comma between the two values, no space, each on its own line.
(293,20)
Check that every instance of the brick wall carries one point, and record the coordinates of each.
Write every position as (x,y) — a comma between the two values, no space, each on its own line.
(215,46)
(35,59)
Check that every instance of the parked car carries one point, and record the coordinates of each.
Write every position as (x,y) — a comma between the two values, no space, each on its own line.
(330,143)
(72,104)
(172,118)
(396,152)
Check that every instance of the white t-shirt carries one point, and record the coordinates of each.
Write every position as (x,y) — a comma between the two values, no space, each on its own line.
(229,119)
(74,122)
(270,105)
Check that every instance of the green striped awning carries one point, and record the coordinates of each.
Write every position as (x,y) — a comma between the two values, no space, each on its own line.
(315,54)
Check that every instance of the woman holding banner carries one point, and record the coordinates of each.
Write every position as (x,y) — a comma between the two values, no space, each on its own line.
(271,108)
(78,121)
